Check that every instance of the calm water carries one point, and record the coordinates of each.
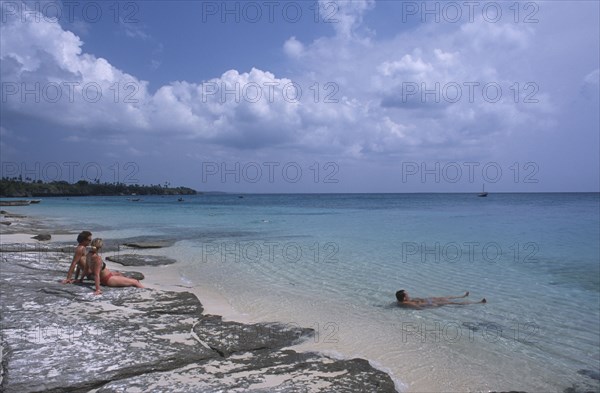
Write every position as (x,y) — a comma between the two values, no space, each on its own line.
(334,262)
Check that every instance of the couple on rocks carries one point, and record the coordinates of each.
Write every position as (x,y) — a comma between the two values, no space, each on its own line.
(90,265)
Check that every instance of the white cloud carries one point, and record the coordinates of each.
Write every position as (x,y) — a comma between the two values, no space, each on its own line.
(132,30)
(446,57)
(293,48)
(590,88)
(507,36)
(368,78)
(155,64)
(406,64)
(249,109)
(345,16)
(593,78)
(69,86)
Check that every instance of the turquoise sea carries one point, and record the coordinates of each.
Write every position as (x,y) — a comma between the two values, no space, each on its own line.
(334,261)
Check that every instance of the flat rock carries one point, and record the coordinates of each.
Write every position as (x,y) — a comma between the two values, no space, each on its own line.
(593,374)
(147,242)
(52,329)
(233,337)
(35,247)
(12,215)
(43,248)
(57,338)
(42,237)
(5,222)
(263,371)
(140,260)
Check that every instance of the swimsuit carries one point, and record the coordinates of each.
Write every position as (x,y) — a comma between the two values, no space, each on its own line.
(104,280)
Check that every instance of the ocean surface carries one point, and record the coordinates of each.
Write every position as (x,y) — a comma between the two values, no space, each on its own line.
(333,262)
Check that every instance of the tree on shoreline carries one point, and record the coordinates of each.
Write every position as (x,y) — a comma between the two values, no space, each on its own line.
(15,187)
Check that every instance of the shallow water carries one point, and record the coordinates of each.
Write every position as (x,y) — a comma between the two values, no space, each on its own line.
(334,262)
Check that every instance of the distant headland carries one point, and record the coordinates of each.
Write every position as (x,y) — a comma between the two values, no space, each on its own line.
(19,188)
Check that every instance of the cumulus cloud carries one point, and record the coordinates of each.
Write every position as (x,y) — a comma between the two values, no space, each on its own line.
(293,48)
(353,95)
(45,73)
(455,90)
(345,16)
(53,79)
(406,64)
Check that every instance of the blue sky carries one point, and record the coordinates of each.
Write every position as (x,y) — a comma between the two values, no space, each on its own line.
(304,96)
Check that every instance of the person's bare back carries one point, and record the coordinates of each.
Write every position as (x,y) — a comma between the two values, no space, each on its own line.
(78,264)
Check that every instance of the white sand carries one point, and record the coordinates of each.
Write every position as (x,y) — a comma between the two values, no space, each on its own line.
(166,278)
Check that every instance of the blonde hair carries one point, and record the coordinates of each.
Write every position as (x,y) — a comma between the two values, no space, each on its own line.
(97,244)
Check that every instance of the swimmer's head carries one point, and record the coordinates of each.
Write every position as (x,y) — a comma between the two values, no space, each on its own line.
(401,295)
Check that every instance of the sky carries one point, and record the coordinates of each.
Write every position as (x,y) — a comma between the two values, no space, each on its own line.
(303,96)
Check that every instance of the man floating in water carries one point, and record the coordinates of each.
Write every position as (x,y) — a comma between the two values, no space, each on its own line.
(418,303)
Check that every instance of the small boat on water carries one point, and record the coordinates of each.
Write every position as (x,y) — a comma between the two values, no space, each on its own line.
(35,200)
(483,193)
(15,203)
(180,200)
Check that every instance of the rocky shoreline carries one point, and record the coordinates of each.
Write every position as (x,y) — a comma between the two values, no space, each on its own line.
(62,338)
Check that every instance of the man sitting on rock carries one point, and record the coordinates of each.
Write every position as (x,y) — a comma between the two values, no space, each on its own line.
(79,258)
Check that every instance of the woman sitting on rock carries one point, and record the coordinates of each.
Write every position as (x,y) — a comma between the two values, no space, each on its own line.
(102,275)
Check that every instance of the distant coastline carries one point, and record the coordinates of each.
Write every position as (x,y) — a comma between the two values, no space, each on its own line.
(14,188)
